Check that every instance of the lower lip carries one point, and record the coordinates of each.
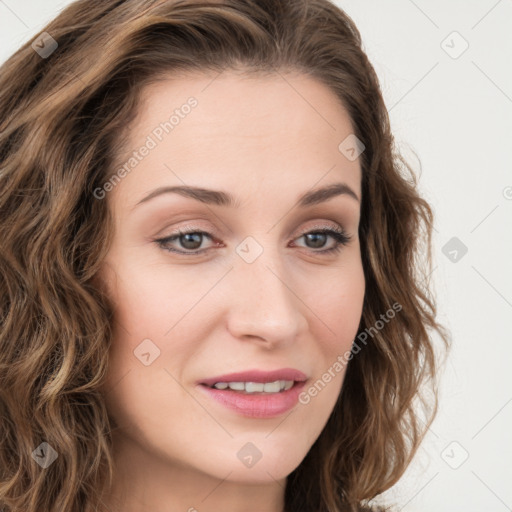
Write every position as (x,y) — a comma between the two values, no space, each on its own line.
(257,405)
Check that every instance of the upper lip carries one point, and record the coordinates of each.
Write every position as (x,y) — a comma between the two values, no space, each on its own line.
(257,376)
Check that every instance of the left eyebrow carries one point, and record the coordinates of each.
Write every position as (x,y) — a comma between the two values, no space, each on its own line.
(220,198)
(324,194)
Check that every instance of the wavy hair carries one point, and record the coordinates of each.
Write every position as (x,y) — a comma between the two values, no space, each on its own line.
(62,120)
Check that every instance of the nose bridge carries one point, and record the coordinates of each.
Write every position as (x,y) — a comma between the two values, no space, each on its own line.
(263,304)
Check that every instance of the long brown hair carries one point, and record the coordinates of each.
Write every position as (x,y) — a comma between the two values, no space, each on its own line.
(62,117)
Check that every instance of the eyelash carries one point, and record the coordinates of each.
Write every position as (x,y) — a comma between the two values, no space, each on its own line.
(341,237)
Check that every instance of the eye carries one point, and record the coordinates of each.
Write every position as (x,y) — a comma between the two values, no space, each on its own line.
(191,240)
(318,238)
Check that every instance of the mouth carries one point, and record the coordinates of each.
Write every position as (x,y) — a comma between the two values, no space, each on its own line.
(252,388)
(257,381)
(256,394)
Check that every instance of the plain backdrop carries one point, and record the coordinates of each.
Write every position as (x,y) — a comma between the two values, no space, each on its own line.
(446,75)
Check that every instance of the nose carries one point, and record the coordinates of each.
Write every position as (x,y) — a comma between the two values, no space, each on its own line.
(263,303)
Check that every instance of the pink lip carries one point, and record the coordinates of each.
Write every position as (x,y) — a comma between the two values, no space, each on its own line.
(256,405)
(258,376)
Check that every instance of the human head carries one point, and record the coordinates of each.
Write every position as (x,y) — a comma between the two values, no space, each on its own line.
(63,122)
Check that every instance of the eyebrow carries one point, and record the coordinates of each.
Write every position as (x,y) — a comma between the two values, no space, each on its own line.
(220,198)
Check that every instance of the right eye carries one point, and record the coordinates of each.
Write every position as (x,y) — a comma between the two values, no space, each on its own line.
(190,239)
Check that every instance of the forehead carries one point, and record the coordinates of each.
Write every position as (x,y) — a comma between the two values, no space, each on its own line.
(280,130)
(255,105)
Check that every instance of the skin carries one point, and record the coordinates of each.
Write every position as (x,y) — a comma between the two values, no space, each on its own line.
(266,144)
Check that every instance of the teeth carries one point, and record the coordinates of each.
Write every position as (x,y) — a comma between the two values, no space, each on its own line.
(221,385)
(256,387)
(236,386)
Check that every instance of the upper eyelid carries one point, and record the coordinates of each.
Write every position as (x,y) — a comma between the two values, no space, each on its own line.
(193,228)
(188,230)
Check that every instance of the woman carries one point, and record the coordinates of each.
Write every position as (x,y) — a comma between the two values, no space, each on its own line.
(211,293)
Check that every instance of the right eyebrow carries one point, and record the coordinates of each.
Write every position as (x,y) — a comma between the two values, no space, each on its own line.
(204,195)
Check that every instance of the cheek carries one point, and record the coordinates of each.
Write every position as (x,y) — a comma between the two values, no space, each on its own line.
(155,312)
(150,347)
(151,297)
(336,298)
(337,304)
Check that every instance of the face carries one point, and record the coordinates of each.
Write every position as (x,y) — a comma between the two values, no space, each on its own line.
(260,281)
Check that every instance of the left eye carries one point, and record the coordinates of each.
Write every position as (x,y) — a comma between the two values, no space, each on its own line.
(192,240)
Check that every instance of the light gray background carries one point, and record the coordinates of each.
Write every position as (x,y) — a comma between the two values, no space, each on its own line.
(456,115)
